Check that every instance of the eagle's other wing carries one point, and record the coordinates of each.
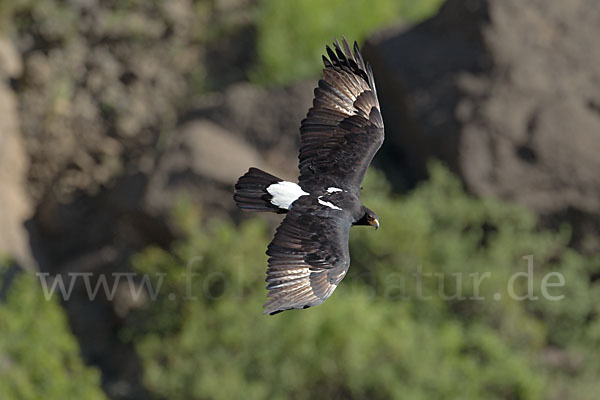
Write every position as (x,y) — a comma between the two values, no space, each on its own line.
(343,130)
(309,256)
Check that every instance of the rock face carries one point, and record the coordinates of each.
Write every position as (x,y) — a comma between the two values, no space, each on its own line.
(218,140)
(506,92)
(97,96)
(203,163)
(268,119)
(15,206)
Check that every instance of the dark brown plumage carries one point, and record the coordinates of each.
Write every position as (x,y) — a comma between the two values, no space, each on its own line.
(339,137)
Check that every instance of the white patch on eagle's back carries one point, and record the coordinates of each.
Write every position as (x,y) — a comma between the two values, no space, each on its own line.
(284,193)
(333,190)
(328,204)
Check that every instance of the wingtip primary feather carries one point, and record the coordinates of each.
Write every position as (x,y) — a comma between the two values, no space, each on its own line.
(347,48)
(340,53)
(341,56)
(332,56)
(358,55)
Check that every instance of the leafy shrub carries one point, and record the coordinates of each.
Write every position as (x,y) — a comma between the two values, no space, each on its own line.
(292,34)
(39,357)
(375,338)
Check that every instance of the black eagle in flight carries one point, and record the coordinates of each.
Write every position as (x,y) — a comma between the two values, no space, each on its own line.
(341,133)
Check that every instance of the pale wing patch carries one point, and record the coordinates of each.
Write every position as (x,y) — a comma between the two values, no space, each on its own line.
(346,111)
(333,190)
(285,193)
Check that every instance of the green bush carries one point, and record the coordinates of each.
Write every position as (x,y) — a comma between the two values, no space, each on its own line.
(292,34)
(375,338)
(39,357)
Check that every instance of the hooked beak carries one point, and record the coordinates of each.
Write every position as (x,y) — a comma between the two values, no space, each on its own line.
(375,223)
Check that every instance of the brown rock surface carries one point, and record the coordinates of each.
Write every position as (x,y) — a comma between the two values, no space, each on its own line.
(15,206)
(203,162)
(506,92)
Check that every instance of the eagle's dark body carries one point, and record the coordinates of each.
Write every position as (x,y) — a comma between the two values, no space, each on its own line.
(340,135)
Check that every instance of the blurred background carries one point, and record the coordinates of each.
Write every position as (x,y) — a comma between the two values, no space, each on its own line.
(124,125)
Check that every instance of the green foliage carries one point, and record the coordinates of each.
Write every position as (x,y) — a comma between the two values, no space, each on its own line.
(375,337)
(39,357)
(292,34)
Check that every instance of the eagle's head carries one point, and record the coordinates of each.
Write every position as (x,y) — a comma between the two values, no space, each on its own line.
(368,218)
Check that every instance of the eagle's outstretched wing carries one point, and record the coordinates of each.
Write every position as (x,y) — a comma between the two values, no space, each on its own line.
(309,256)
(343,130)
(341,133)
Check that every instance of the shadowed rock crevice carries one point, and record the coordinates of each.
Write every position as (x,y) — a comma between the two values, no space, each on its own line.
(500,91)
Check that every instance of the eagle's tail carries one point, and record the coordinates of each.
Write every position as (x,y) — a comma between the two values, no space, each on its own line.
(251,191)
